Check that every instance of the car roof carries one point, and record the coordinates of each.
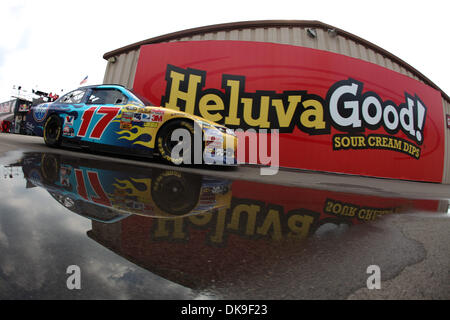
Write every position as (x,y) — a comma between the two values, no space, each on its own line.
(103,86)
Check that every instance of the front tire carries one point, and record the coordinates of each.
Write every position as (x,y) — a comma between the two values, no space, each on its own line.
(53,131)
(166,146)
(175,193)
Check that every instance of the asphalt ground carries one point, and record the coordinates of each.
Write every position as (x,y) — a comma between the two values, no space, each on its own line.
(411,249)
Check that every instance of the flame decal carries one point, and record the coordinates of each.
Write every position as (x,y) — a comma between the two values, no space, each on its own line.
(127,185)
(130,135)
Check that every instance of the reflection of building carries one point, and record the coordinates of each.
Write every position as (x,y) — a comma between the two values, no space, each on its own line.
(263,226)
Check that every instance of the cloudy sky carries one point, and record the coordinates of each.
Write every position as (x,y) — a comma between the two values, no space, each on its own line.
(52,45)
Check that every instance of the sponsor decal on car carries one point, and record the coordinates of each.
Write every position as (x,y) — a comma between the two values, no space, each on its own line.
(151,124)
(137,117)
(68,120)
(68,131)
(131,108)
(40,112)
(125,121)
(156,116)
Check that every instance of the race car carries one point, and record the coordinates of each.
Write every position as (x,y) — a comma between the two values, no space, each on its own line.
(112,118)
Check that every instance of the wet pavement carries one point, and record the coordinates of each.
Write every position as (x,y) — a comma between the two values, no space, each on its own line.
(143,232)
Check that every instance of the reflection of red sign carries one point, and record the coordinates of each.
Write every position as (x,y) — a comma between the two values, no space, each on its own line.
(263,225)
(334,113)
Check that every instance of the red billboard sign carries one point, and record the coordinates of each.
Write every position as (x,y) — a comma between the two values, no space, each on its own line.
(333,112)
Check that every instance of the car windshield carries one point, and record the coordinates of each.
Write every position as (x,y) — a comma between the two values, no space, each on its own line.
(141,98)
(72,97)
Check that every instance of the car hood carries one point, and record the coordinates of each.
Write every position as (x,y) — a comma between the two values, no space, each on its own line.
(187,115)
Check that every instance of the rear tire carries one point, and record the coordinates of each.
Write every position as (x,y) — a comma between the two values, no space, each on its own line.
(50,165)
(53,131)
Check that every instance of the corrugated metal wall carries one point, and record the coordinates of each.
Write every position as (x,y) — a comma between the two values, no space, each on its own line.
(298,36)
(123,70)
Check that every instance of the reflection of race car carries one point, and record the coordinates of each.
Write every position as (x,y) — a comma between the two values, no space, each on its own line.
(110,191)
(113,119)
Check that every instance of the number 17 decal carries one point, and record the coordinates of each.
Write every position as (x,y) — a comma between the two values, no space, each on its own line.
(109,113)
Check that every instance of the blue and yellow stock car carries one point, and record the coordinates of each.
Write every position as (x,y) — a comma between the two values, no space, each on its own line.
(113,119)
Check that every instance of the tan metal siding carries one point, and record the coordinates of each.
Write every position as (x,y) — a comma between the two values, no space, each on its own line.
(123,71)
(446,174)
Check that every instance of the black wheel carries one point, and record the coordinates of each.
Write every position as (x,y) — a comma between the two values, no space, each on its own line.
(53,131)
(50,168)
(165,144)
(176,193)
